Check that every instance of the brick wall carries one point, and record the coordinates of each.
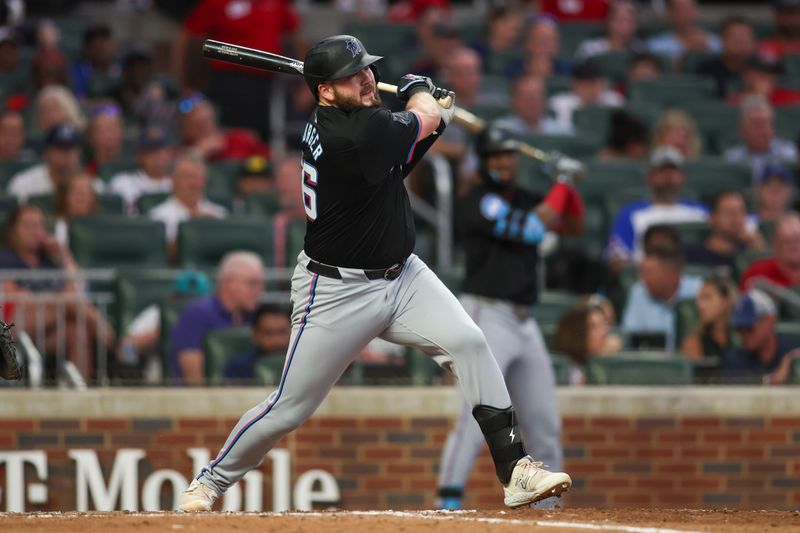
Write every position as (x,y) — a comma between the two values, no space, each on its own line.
(391,461)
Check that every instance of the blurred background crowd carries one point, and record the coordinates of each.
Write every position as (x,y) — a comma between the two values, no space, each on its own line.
(152,200)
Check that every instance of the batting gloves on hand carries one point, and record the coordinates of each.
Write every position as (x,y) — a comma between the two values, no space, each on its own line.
(411,84)
(450,109)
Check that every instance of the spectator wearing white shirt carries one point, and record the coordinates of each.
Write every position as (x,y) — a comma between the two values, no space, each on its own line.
(529,112)
(589,88)
(620,33)
(189,177)
(152,175)
(62,160)
(760,146)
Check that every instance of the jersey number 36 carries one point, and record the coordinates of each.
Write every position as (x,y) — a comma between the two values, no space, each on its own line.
(310,190)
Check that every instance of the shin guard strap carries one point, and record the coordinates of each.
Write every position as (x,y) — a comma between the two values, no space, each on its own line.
(499,427)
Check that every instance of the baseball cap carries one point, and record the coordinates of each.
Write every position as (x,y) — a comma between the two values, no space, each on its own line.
(152,137)
(191,283)
(663,156)
(255,165)
(588,70)
(62,136)
(773,170)
(752,306)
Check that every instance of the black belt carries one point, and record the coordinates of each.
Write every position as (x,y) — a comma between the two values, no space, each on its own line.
(393,272)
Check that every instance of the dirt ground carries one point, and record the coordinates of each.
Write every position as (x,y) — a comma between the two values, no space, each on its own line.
(562,521)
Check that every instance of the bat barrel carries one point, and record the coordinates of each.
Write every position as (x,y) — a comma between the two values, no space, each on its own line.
(250,57)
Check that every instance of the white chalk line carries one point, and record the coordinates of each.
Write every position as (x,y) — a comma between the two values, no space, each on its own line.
(424,515)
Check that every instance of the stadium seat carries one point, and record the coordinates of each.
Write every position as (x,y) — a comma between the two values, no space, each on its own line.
(203,241)
(117,241)
(499,63)
(221,346)
(107,203)
(789,324)
(717,122)
(745,258)
(136,289)
(7,203)
(691,61)
(491,112)
(614,64)
(422,369)
(295,240)
(794,372)
(686,320)
(552,305)
(382,38)
(557,84)
(595,233)
(267,369)
(787,121)
(707,176)
(494,84)
(578,146)
(148,201)
(262,204)
(692,232)
(639,368)
(111,169)
(791,64)
(573,33)
(673,90)
(561,366)
(9,168)
(221,180)
(607,175)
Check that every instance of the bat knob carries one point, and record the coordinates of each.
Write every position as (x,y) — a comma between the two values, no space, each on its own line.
(447,100)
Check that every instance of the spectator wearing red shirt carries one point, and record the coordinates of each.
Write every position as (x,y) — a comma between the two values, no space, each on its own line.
(199,130)
(786,39)
(783,268)
(260,24)
(761,77)
(569,10)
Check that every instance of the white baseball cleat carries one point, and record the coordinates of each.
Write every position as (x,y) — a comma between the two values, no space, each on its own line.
(531,483)
(197,497)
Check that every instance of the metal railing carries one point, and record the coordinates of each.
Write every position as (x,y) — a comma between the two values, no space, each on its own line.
(439,216)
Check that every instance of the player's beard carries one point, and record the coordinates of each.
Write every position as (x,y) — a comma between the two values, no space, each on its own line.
(350,103)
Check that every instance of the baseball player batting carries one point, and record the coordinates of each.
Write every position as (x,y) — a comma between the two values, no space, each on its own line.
(358,279)
(502,226)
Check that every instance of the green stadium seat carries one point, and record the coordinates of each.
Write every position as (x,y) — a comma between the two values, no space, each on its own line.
(492,112)
(561,366)
(788,311)
(639,368)
(107,203)
(614,64)
(170,313)
(595,230)
(794,372)
(788,328)
(262,204)
(202,242)
(267,369)
(791,64)
(491,83)
(707,176)
(9,168)
(148,201)
(692,232)
(686,320)
(673,90)
(221,180)
(578,146)
(717,123)
(219,347)
(745,258)
(552,305)
(111,169)
(557,84)
(295,240)
(787,121)
(611,175)
(573,33)
(382,38)
(136,289)
(691,61)
(114,241)
(7,203)
(422,369)
(499,63)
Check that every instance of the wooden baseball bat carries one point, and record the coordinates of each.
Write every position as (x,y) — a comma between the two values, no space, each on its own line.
(259,59)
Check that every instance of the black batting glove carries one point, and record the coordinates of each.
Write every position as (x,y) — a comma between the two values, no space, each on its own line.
(410,84)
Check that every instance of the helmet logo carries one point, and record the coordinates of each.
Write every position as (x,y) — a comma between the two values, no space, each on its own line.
(353,47)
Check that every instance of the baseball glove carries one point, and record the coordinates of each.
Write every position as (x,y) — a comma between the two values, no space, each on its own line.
(9,367)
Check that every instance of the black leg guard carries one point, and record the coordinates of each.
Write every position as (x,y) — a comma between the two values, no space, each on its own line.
(451,492)
(499,427)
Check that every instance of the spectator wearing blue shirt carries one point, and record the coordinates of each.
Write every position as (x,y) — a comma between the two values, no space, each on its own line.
(651,302)
(241,282)
(765,356)
(97,73)
(270,335)
(665,178)
(686,35)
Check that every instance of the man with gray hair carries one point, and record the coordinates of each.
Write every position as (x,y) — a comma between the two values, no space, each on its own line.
(238,292)
(188,199)
(760,146)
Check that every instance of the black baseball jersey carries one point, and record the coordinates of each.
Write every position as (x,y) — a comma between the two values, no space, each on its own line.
(358,211)
(500,238)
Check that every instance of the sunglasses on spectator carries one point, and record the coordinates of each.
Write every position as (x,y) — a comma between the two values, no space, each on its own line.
(108,110)
(189,103)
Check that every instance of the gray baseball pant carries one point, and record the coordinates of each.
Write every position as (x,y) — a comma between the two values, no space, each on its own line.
(332,320)
(521,353)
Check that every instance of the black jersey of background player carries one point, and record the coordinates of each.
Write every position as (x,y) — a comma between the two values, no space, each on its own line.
(500,238)
(358,211)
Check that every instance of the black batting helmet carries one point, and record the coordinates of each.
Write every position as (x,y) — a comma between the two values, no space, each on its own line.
(494,139)
(336,57)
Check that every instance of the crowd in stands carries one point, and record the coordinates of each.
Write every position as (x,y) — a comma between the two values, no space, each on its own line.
(690,132)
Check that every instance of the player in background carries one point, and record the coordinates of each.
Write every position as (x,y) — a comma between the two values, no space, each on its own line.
(502,225)
(358,279)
